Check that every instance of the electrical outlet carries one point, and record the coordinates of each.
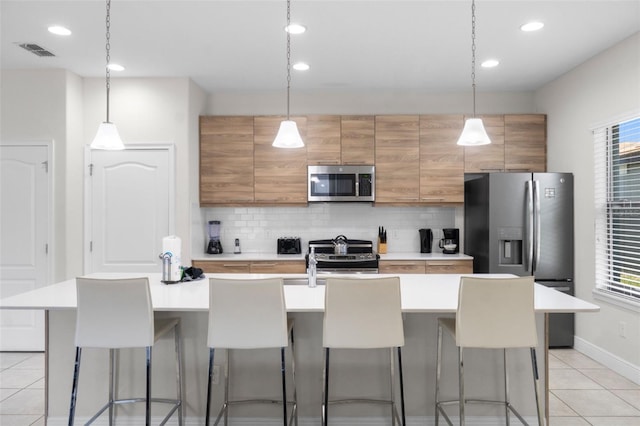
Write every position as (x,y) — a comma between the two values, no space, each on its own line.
(216,375)
(622,329)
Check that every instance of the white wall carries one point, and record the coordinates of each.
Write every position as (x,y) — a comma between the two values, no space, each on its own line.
(602,88)
(61,106)
(33,107)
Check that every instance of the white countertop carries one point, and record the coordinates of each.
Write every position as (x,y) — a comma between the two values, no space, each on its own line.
(420,293)
(424,256)
(248,257)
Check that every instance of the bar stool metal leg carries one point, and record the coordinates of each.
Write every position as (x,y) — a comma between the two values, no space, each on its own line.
(293,376)
(461,385)
(147,415)
(283,371)
(208,411)
(404,419)
(392,380)
(536,381)
(74,386)
(438,370)
(178,346)
(325,390)
(112,384)
(507,401)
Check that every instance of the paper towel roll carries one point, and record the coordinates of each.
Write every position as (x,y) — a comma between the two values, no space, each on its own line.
(172,244)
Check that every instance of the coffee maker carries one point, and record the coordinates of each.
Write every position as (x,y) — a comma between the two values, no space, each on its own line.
(426,240)
(450,242)
(214,246)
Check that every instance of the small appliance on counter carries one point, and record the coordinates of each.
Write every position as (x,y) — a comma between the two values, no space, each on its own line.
(214,246)
(450,242)
(289,245)
(426,240)
(171,263)
(236,247)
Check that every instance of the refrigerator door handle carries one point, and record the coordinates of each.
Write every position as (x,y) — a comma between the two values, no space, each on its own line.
(536,192)
(529,226)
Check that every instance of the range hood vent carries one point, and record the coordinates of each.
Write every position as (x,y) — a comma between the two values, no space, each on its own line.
(35,49)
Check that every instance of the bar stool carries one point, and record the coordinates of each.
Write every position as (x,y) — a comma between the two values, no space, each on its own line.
(249,314)
(495,314)
(115,314)
(364,314)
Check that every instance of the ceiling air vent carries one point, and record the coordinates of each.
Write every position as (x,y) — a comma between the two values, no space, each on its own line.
(36,50)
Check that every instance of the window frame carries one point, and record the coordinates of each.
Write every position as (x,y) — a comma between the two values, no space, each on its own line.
(608,213)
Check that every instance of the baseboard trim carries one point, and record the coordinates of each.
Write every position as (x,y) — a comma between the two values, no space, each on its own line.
(611,361)
(308,421)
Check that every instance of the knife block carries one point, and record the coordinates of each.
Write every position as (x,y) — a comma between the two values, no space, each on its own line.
(382,247)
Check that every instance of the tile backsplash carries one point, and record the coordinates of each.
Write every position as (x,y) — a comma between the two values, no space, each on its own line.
(258,228)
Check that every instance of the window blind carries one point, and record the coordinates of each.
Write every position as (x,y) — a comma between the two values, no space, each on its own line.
(617,198)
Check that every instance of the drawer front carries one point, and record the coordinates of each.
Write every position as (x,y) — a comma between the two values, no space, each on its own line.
(449,266)
(223,267)
(289,267)
(401,267)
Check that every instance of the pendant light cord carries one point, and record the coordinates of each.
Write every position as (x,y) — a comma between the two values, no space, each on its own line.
(473,54)
(288,55)
(108,48)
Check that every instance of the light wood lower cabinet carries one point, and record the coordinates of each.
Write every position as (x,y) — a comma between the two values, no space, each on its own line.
(401,267)
(426,267)
(248,267)
(449,266)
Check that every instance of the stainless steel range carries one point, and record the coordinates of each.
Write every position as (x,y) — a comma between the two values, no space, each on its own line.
(343,256)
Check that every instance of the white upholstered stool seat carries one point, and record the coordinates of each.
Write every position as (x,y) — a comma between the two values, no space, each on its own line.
(491,314)
(364,313)
(116,314)
(249,314)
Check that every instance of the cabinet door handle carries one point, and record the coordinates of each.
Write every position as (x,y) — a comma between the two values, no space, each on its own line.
(234,265)
(268,265)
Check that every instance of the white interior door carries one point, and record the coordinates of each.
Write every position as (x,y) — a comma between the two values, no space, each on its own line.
(24,234)
(130,198)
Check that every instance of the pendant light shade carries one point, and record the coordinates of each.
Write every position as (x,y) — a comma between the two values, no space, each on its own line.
(107,136)
(473,133)
(288,136)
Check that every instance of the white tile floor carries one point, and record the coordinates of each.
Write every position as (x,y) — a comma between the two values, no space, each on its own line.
(582,392)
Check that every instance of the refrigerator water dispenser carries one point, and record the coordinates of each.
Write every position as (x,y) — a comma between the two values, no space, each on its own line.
(510,250)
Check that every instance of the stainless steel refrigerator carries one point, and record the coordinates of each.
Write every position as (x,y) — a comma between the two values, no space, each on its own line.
(522,224)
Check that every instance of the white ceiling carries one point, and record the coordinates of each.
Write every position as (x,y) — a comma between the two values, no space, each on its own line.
(422,45)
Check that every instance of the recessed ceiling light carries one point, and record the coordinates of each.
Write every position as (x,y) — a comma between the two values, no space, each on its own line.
(532,26)
(115,67)
(300,66)
(490,63)
(295,28)
(58,30)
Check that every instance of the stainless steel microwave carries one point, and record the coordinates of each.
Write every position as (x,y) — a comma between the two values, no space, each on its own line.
(341,183)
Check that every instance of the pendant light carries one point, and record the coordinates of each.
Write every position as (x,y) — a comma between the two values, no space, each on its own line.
(107,136)
(288,135)
(473,133)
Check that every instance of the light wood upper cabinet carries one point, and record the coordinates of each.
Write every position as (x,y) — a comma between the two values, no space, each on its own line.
(323,139)
(487,158)
(280,175)
(358,139)
(397,158)
(441,159)
(518,144)
(526,147)
(226,160)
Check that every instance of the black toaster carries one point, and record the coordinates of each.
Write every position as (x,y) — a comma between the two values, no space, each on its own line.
(289,245)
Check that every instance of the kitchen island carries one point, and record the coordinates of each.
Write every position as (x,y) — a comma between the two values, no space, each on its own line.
(424,299)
